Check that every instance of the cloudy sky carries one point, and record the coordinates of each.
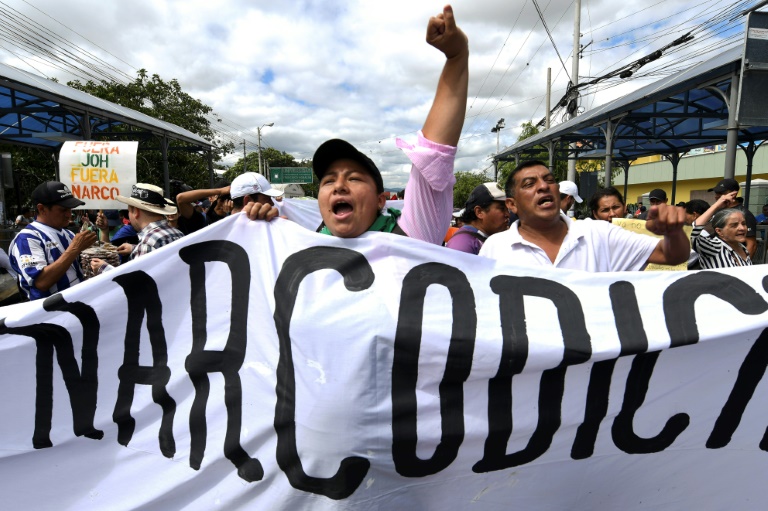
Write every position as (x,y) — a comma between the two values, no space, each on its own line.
(360,70)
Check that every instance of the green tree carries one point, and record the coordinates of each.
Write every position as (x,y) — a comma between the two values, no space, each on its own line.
(504,169)
(31,166)
(152,96)
(528,129)
(168,102)
(538,152)
(465,183)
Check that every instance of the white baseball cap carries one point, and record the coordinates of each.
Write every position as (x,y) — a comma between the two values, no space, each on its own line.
(250,183)
(570,188)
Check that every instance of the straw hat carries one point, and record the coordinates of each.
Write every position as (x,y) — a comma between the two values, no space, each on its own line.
(149,198)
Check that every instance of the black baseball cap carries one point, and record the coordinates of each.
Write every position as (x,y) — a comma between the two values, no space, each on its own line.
(337,149)
(725,186)
(483,195)
(658,194)
(54,192)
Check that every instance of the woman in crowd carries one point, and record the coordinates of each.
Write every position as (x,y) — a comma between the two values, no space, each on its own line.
(607,204)
(726,246)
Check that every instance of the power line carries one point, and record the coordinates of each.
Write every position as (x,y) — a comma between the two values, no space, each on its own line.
(719,20)
(498,55)
(514,80)
(543,22)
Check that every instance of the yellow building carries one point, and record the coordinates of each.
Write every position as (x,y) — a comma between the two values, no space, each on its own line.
(695,175)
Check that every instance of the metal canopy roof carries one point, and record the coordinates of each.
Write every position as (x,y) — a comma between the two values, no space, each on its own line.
(681,112)
(35,111)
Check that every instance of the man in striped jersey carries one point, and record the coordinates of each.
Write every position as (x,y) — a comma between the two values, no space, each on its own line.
(45,253)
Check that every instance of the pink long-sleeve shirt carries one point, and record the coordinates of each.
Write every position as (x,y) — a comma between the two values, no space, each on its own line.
(428,203)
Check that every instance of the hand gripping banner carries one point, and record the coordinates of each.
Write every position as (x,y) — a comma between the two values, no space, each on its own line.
(258,365)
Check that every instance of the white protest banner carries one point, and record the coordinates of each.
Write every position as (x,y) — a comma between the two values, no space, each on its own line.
(97,172)
(256,365)
(306,213)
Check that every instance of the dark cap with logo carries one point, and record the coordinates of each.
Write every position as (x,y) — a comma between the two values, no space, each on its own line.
(337,149)
(658,194)
(483,195)
(54,192)
(725,186)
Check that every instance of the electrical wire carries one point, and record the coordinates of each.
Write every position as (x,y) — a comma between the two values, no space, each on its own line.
(544,23)
(484,120)
(710,24)
(679,45)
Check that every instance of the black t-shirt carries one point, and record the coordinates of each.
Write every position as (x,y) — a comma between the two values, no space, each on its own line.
(193,223)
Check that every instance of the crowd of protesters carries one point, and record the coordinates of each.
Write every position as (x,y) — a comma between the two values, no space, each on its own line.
(45,256)
(528,221)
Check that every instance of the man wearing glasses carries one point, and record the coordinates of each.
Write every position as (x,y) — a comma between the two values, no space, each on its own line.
(45,253)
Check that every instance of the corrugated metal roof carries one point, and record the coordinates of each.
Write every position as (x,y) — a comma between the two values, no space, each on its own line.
(678,113)
(41,112)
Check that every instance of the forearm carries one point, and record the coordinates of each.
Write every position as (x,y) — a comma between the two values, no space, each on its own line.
(446,117)
(54,271)
(185,209)
(184,200)
(676,247)
(104,235)
(196,195)
(704,218)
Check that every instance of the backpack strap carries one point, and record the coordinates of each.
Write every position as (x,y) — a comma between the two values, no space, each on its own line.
(470,233)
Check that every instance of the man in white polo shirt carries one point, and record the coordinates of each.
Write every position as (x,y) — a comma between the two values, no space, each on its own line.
(544,236)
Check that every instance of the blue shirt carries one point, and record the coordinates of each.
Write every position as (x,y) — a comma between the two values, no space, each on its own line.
(125,234)
(35,247)
(126,231)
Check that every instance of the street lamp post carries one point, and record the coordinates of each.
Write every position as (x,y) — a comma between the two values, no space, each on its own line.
(245,158)
(496,129)
(258,131)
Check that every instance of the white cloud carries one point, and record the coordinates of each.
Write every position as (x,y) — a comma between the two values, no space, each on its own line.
(359,70)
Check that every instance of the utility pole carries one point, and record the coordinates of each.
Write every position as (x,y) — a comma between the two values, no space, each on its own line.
(258,131)
(245,158)
(549,97)
(575,77)
(496,129)
(550,145)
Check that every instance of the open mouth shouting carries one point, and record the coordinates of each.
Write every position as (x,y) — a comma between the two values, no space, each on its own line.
(341,209)
(546,201)
(348,198)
